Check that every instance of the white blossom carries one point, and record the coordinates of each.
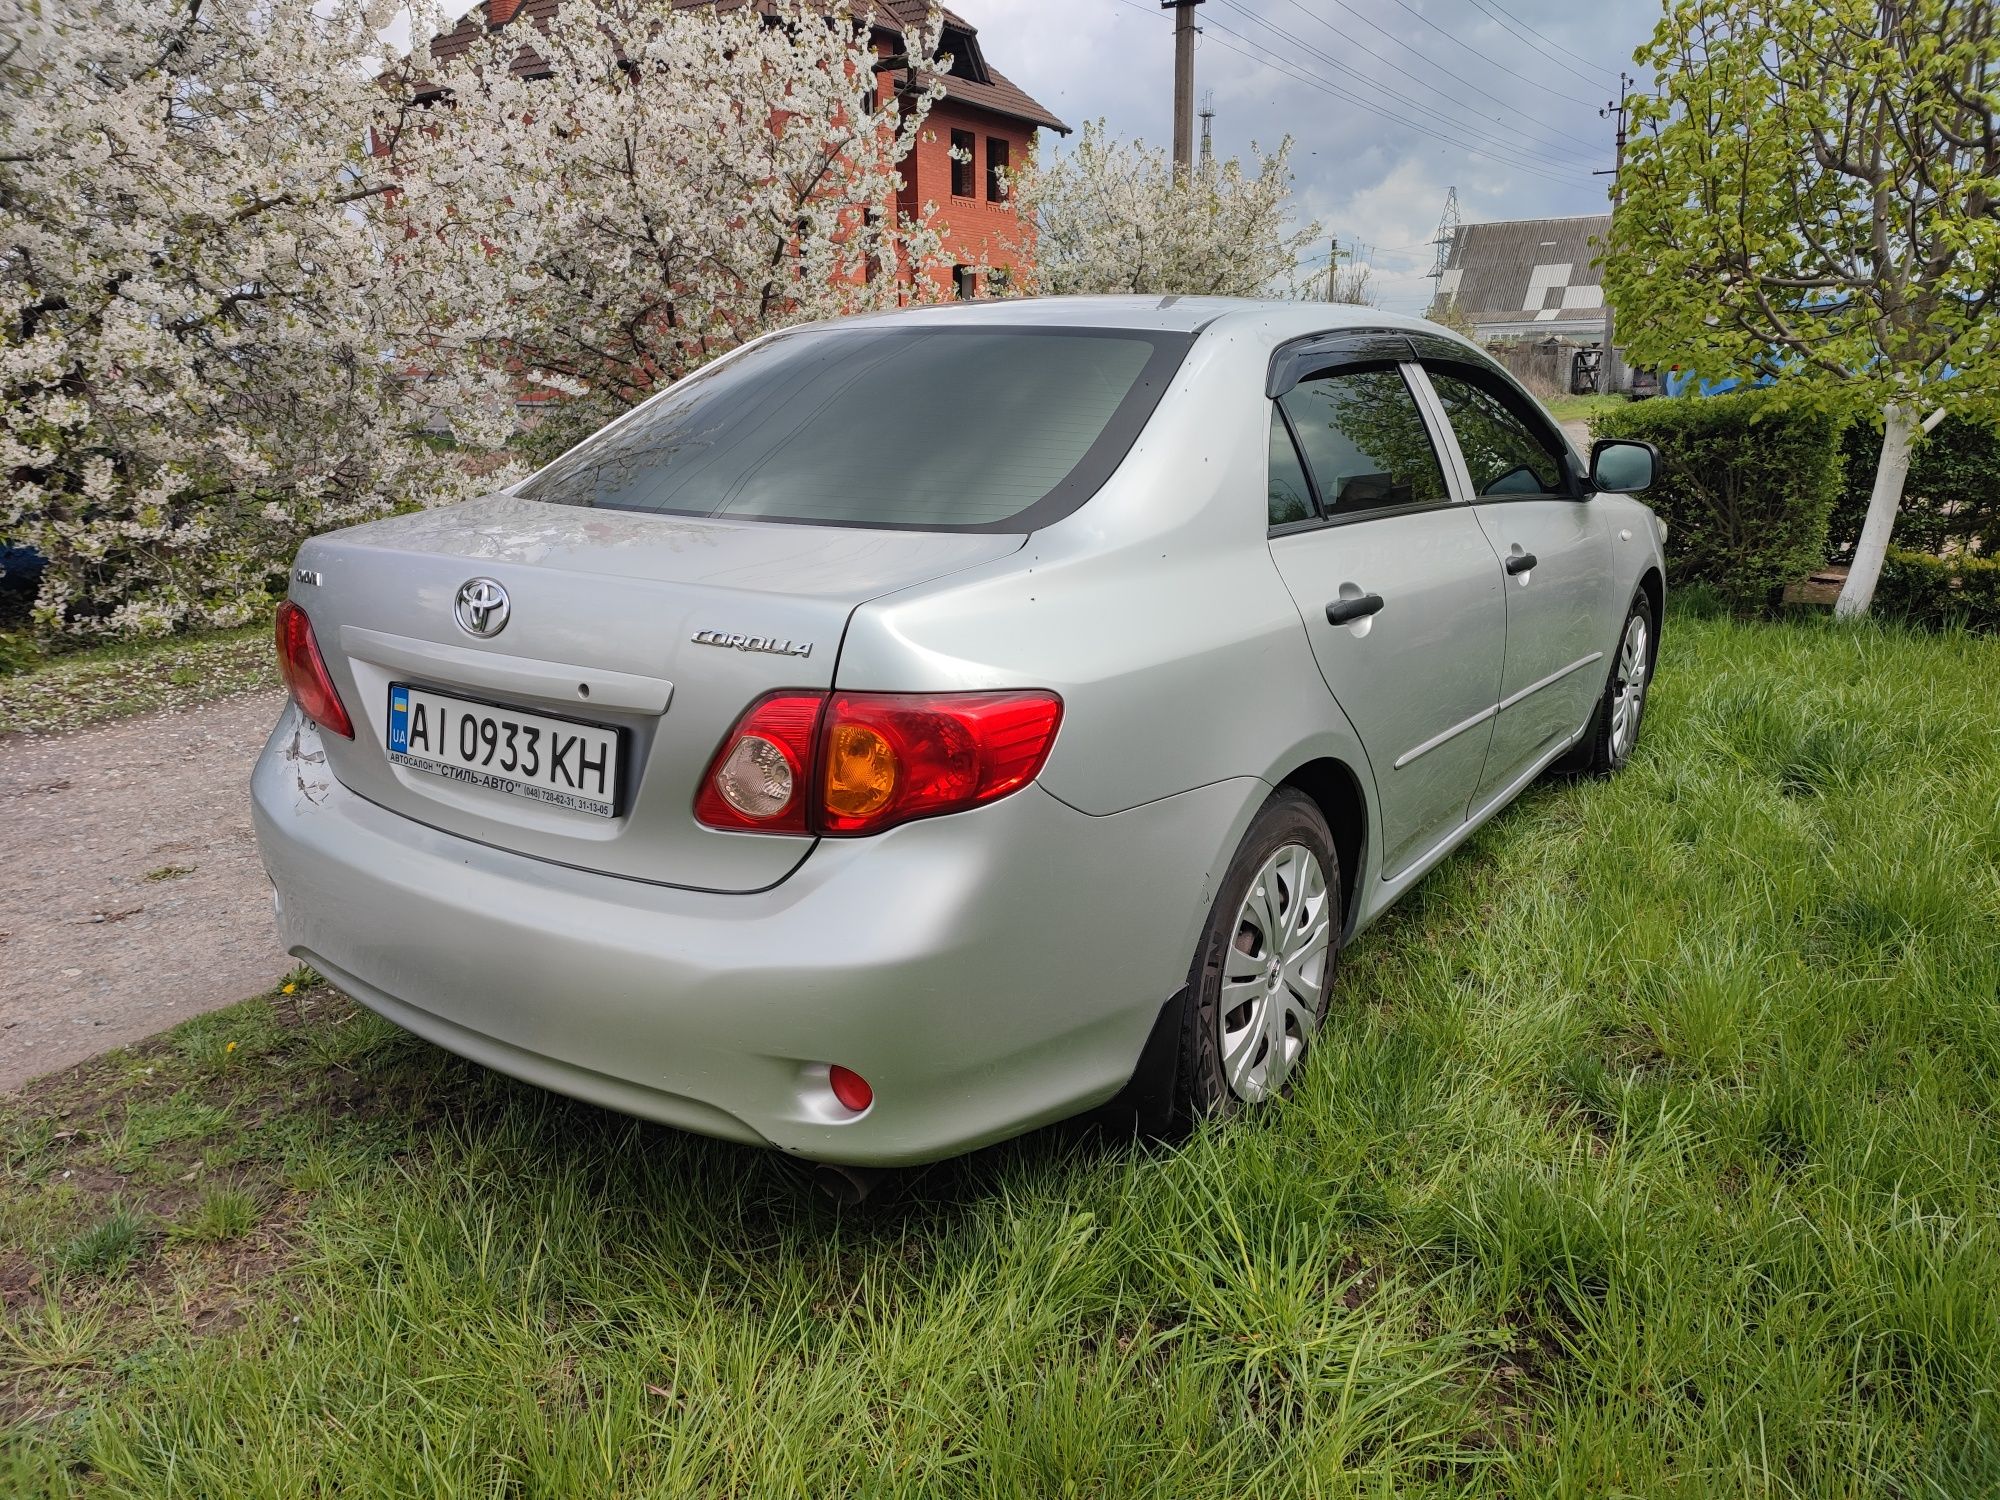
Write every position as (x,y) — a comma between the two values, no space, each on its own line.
(1113,216)
(198,324)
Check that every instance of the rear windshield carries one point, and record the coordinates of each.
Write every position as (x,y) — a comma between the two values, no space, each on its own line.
(938,429)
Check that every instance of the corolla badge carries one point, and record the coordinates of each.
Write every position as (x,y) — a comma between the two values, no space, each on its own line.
(770,645)
(482,607)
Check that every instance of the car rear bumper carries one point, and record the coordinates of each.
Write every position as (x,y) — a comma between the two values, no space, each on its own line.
(986,972)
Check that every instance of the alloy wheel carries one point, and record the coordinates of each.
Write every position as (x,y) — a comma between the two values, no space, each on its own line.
(1629,690)
(1274,974)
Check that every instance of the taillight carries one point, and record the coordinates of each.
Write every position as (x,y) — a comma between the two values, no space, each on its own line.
(857,763)
(760,780)
(304,671)
(891,757)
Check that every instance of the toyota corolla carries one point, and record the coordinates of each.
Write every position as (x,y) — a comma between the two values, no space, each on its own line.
(911,730)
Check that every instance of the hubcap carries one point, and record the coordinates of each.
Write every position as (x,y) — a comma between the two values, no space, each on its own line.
(1629,691)
(1274,974)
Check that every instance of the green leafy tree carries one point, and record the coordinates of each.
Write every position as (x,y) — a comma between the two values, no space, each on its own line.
(1814,190)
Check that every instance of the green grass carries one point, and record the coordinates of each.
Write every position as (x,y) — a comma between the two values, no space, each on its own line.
(76,689)
(1581,408)
(1651,1150)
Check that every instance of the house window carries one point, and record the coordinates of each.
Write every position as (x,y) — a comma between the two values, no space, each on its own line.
(964,282)
(964,144)
(996,170)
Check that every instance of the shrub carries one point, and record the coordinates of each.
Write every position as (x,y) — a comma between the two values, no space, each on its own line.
(1941,591)
(1950,500)
(1747,484)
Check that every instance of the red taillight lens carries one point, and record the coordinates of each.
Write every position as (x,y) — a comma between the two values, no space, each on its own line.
(304,671)
(857,763)
(760,779)
(891,757)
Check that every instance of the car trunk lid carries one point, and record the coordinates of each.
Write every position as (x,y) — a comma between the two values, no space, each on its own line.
(662,629)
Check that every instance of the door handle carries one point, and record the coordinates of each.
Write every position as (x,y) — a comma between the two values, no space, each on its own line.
(1520,562)
(1347,611)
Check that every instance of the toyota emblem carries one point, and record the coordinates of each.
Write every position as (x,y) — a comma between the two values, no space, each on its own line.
(482,607)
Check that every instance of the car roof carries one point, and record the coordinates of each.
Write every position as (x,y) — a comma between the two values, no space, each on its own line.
(1274,319)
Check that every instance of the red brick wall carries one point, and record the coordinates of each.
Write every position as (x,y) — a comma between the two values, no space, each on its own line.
(977,233)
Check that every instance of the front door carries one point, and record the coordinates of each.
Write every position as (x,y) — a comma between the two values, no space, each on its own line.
(1367,517)
(1554,559)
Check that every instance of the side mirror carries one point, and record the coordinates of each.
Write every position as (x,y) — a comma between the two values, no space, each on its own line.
(1621,466)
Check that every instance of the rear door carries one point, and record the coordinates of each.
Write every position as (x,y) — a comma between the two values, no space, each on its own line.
(1360,511)
(1554,558)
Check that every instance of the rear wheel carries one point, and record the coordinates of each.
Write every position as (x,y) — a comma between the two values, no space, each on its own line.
(1258,989)
(1614,730)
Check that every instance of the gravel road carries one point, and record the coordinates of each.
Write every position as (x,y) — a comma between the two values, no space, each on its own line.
(93,952)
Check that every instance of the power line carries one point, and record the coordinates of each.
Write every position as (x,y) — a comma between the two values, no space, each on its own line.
(1549,41)
(1313,81)
(1545,167)
(1326,86)
(1536,82)
(1458,78)
(1509,26)
(1533,149)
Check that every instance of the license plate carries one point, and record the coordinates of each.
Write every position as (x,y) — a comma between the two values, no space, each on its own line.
(527,755)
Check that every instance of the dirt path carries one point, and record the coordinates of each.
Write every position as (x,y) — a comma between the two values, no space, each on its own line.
(93,952)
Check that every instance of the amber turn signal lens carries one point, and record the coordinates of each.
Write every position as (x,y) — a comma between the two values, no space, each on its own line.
(861,772)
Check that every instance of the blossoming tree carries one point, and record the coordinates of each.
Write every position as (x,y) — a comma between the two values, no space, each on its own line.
(259,275)
(197,322)
(630,188)
(1114,216)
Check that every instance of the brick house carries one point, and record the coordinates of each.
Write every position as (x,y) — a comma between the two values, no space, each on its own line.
(984,124)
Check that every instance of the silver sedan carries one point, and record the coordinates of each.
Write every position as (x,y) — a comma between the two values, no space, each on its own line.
(911,730)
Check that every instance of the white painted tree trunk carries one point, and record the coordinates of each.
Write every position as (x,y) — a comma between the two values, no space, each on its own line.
(1899,433)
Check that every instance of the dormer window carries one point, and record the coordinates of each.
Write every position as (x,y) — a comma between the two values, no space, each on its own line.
(966,60)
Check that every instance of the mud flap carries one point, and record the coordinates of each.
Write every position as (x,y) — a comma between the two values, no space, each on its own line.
(1145,1106)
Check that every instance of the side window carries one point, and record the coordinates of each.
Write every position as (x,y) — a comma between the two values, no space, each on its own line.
(1364,440)
(1506,452)
(1290,494)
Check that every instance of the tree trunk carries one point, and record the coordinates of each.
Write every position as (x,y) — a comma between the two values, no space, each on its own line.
(1899,433)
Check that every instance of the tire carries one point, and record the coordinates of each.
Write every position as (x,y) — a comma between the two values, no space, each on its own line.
(1252,1011)
(1614,729)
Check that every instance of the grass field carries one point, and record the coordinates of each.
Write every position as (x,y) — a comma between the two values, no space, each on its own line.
(1651,1150)
(74,690)
(1581,408)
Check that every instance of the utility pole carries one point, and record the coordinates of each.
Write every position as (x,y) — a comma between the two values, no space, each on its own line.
(1614,367)
(1207,130)
(1333,272)
(1183,82)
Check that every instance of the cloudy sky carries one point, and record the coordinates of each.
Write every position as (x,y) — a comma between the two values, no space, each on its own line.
(1388,102)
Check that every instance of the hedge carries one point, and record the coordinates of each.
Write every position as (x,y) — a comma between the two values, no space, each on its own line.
(1747,485)
(1951,500)
(1940,591)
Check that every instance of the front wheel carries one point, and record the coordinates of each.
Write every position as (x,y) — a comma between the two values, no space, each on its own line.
(1258,989)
